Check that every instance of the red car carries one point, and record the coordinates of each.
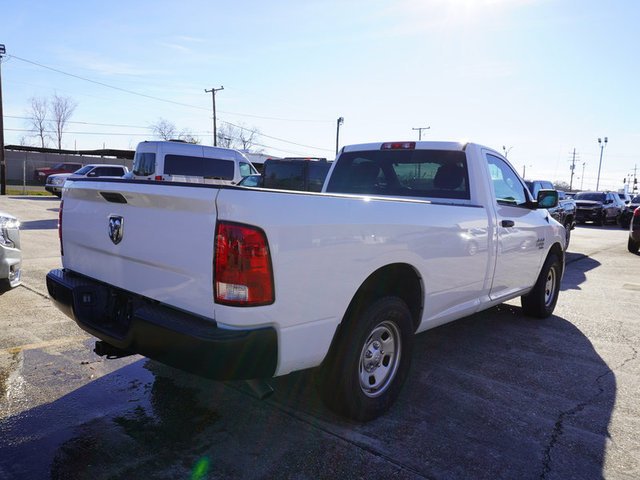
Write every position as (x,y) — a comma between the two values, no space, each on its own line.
(41,174)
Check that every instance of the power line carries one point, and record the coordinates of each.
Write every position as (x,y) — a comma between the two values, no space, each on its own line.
(84,123)
(131,92)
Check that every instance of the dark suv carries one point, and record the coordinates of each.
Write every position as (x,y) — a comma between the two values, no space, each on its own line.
(627,214)
(306,174)
(598,207)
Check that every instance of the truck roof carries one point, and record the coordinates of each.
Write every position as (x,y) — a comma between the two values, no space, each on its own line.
(456,146)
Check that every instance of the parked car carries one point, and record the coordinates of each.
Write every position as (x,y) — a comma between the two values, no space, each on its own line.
(564,213)
(598,207)
(175,161)
(634,232)
(10,253)
(627,214)
(56,182)
(40,174)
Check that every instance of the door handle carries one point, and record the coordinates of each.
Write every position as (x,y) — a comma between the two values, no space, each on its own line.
(508,223)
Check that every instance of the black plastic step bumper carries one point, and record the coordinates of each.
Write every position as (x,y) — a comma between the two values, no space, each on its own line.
(139,325)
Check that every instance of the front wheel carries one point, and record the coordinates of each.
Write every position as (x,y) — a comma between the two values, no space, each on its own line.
(368,361)
(567,233)
(541,300)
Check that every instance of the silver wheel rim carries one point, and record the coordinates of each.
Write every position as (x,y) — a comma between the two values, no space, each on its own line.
(550,287)
(379,359)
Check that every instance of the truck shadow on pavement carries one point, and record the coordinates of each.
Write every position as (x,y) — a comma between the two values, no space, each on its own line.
(577,274)
(494,395)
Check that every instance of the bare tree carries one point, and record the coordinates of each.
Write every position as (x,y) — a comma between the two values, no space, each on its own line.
(188,137)
(38,119)
(164,129)
(62,108)
(239,137)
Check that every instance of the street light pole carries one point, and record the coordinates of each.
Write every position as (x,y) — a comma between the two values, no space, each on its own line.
(339,122)
(602,145)
(213,100)
(506,150)
(3,165)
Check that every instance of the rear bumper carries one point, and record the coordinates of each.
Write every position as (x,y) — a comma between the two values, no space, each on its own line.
(183,340)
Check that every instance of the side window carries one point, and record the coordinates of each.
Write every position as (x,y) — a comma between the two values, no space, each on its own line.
(198,167)
(506,185)
(245,169)
(144,164)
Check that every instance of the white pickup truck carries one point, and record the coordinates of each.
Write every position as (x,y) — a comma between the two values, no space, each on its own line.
(243,283)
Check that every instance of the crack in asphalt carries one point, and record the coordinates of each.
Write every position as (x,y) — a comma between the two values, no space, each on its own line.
(558,427)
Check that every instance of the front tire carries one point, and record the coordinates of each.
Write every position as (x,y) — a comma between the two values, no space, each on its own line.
(542,299)
(567,235)
(369,360)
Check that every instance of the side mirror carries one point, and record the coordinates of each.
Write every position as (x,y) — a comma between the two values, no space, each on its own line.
(547,198)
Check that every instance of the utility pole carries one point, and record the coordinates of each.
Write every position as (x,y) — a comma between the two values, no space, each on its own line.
(582,179)
(3,165)
(339,122)
(420,131)
(602,145)
(572,168)
(213,100)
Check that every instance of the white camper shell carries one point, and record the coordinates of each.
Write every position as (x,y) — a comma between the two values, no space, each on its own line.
(187,162)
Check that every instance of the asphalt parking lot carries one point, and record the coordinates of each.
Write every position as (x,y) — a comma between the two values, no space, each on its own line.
(494,395)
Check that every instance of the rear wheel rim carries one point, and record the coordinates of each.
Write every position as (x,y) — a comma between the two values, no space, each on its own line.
(379,359)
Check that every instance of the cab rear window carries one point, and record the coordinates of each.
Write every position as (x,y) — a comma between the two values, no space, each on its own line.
(405,173)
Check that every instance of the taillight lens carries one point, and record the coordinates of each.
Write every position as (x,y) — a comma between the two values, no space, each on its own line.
(60,227)
(243,274)
(636,212)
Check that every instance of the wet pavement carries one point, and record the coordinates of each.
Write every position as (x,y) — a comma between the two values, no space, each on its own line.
(494,395)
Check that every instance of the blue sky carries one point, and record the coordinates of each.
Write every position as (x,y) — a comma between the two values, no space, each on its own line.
(540,77)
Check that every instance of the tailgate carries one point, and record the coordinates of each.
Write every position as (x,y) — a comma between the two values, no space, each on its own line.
(165,247)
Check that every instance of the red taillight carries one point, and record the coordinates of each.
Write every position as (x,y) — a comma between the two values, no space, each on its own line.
(60,227)
(158,177)
(398,146)
(636,212)
(243,274)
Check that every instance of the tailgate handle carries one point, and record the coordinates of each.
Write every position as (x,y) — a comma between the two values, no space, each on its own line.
(113,197)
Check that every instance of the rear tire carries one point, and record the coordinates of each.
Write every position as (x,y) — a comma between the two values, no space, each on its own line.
(633,246)
(542,299)
(368,361)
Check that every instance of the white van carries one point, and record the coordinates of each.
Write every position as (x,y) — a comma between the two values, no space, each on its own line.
(187,162)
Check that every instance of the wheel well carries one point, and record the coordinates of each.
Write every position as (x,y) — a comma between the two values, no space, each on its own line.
(556,248)
(400,280)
